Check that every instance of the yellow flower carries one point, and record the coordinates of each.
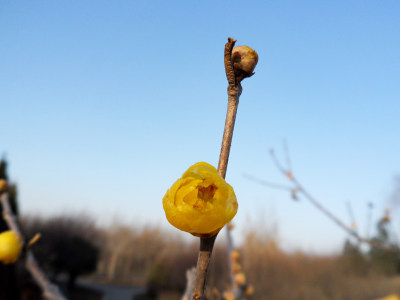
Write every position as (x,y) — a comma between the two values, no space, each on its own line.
(200,202)
(10,247)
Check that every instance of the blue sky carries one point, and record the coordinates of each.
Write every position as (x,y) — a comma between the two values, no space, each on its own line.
(104,104)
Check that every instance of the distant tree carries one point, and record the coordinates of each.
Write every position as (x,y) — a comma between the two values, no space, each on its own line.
(8,282)
(384,261)
(12,193)
(354,261)
(68,246)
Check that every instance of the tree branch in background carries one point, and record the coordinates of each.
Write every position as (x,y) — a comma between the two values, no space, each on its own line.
(50,291)
(297,188)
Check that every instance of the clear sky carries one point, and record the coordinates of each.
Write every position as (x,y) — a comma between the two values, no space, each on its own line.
(104,104)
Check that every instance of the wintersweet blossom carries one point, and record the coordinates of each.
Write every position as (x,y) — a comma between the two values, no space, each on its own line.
(201,202)
(10,247)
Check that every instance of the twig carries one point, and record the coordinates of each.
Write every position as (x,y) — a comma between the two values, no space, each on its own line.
(288,161)
(50,291)
(230,250)
(190,278)
(234,92)
(300,189)
(267,183)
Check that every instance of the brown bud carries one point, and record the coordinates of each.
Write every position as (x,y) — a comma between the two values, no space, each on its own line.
(244,60)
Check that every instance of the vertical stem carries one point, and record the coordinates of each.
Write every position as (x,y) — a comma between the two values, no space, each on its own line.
(233,103)
(203,261)
(207,244)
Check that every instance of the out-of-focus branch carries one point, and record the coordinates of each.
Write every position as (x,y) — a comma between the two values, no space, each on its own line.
(229,242)
(50,291)
(190,278)
(239,286)
(297,188)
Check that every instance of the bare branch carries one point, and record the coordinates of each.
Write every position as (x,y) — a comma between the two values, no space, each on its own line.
(50,291)
(267,183)
(9,217)
(300,189)
(288,160)
(190,279)
(230,249)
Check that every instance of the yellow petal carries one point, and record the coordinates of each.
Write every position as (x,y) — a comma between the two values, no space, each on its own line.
(200,202)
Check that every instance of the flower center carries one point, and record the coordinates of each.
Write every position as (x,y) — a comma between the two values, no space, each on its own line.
(204,195)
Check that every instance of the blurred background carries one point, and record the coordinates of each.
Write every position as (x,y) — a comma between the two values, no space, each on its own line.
(105,104)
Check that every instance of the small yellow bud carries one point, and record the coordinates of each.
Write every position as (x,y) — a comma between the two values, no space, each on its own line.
(229,296)
(200,202)
(235,255)
(10,247)
(236,267)
(240,279)
(386,217)
(3,185)
(249,290)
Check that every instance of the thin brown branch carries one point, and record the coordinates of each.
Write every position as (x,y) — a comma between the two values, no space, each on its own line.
(9,217)
(300,189)
(234,92)
(233,102)
(50,291)
(203,261)
(267,183)
(190,279)
(230,249)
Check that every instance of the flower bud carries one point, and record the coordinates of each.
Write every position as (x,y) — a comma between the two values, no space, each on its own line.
(244,60)
(200,202)
(236,267)
(3,185)
(10,247)
(239,279)
(235,255)
(249,290)
(228,295)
